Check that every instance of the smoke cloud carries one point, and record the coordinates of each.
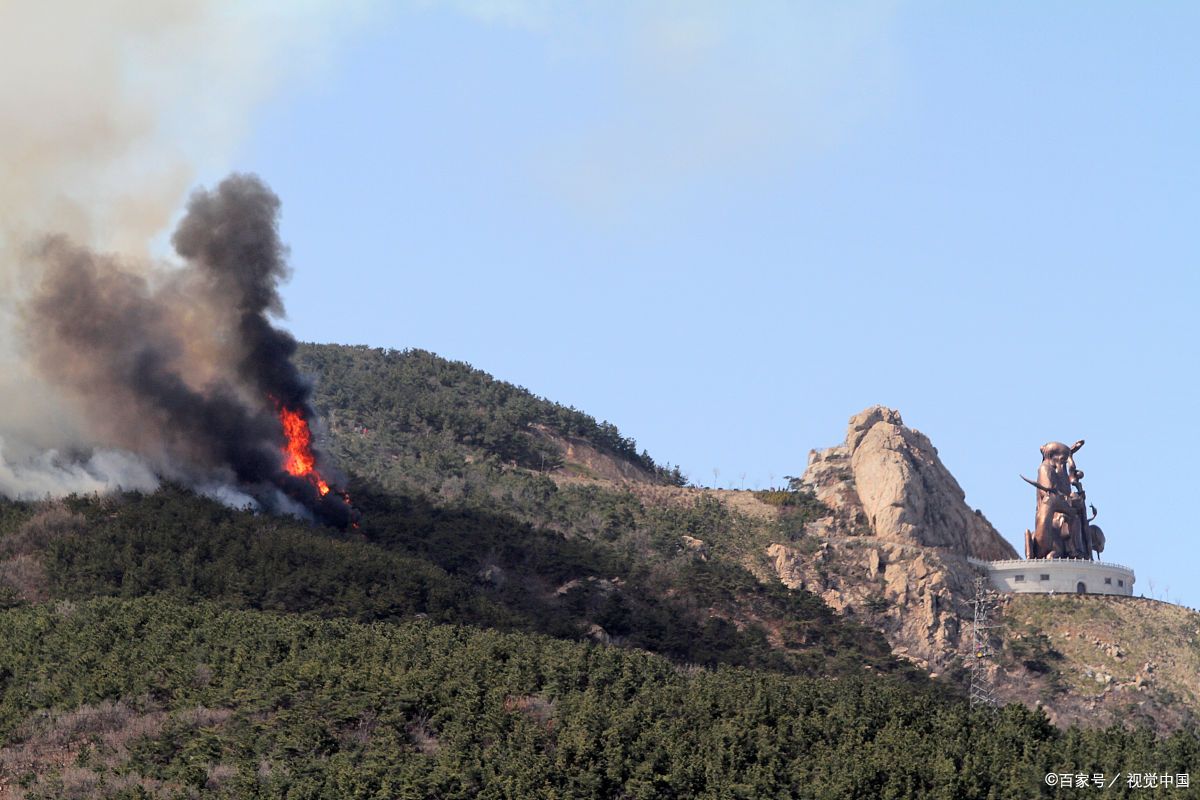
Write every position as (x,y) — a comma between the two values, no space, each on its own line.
(182,366)
(117,366)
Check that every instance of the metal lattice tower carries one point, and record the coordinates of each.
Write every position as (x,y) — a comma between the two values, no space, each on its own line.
(982,691)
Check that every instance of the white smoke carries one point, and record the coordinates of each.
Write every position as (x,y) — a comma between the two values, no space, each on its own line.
(47,474)
(228,495)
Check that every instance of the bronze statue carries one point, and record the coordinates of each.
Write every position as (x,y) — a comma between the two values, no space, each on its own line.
(1062,528)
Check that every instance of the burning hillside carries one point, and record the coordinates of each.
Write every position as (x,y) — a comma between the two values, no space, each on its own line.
(180,364)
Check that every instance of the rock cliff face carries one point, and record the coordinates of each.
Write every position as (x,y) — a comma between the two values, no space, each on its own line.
(895,546)
(888,479)
(917,597)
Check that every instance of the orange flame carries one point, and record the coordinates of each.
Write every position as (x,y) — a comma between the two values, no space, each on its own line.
(298,458)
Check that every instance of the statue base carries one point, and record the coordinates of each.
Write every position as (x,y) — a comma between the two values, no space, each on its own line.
(1057,576)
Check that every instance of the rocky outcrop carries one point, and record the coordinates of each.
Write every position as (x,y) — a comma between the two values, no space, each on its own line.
(893,549)
(886,480)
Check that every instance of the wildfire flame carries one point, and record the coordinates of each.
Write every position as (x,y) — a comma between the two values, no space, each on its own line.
(298,458)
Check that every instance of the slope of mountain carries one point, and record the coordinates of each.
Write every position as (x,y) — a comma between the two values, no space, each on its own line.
(531,608)
(1101,660)
(417,413)
(610,553)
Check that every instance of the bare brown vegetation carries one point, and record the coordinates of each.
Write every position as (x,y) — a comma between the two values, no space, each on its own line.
(21,569)
(50,744)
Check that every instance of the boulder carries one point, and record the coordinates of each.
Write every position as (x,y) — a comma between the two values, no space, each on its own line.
(697,547)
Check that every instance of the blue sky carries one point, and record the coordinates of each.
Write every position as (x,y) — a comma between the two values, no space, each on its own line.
(727,228)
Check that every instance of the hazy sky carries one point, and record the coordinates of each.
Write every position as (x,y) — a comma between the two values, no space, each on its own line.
(728,227)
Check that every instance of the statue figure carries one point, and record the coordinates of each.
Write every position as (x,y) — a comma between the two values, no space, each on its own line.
(1062,528)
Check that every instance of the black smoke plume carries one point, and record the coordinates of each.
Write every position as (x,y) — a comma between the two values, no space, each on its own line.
(182,365)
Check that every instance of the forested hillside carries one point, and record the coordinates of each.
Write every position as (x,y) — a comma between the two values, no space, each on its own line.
(436,411)
(411,557)
(498,626)
(431,484)
(151,697)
